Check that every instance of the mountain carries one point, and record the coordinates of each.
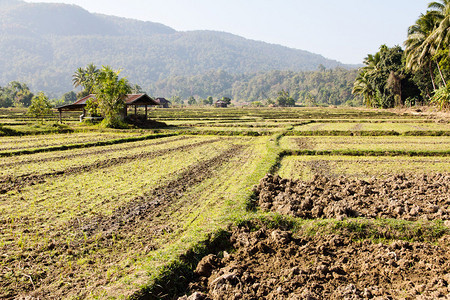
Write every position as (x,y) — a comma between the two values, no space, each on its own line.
(42,44)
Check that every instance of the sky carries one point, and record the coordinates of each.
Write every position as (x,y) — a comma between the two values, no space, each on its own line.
(344,30)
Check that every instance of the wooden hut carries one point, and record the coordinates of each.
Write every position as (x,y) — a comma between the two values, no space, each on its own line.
(163,102)
(132,100)
(221,103)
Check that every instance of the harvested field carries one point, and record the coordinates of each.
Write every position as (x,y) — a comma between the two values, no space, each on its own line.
(17,181)
(31,142)
(91,228)
(129,214)
(361,143)
(369,126)
(359,167)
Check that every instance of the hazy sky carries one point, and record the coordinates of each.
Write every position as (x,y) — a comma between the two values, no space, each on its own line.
(345,30)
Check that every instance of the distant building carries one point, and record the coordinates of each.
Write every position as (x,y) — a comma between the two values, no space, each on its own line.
(221,103)
(163,102)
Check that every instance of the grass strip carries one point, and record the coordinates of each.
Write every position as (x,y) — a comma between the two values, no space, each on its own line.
(85,145)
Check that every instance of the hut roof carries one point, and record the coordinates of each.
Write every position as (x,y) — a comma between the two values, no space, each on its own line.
(162,101)
(131,99)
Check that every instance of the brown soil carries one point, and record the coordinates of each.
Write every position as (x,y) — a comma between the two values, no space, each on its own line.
(304,143)
(274,264)
(428,111)
(8,183)
(409,197)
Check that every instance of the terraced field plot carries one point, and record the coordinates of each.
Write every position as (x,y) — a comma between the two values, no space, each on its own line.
(366,143)
(305,167)
(36,141)
(79,217)
(400,127)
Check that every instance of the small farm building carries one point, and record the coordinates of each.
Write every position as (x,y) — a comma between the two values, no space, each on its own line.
(221,103)
(163,102)
(131,100)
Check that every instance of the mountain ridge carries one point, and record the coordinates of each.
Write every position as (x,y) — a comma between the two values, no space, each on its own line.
(44,43)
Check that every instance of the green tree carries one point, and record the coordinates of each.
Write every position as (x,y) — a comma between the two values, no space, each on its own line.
(256,104)
(363,87)
(176,99)
(136,89)
(284,99)
(419,51)
(18,94)
(210,100)
(40,106)
(192,101)
(227,100)
(111,92)
(5,99)
(86,78)
(69,97)
(384,82)
(269,102)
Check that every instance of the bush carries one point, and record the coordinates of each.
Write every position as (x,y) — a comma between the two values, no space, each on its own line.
(441,98)
(40,106)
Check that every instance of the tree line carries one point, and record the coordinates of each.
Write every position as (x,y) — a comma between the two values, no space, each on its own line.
(322,87)
(394,77)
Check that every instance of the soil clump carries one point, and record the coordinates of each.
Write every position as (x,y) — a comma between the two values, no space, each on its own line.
(406,196)
(275,264)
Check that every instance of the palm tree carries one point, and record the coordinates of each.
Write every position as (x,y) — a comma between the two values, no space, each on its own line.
(79,77)
(86,78)
(362,86)
(439,38)
(91,73)
(418,50)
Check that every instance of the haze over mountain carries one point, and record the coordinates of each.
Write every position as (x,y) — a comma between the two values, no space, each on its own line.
(43,44)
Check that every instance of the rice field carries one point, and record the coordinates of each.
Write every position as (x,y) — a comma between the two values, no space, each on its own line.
(107,214)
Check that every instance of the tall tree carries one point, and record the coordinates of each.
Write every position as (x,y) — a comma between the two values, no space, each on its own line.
(363,87)
(384,82)
(19,93)
(418,50)
(86,78)
(111,92)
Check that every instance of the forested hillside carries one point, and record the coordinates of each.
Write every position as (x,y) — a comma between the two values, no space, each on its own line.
(309,87)
(43,44)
